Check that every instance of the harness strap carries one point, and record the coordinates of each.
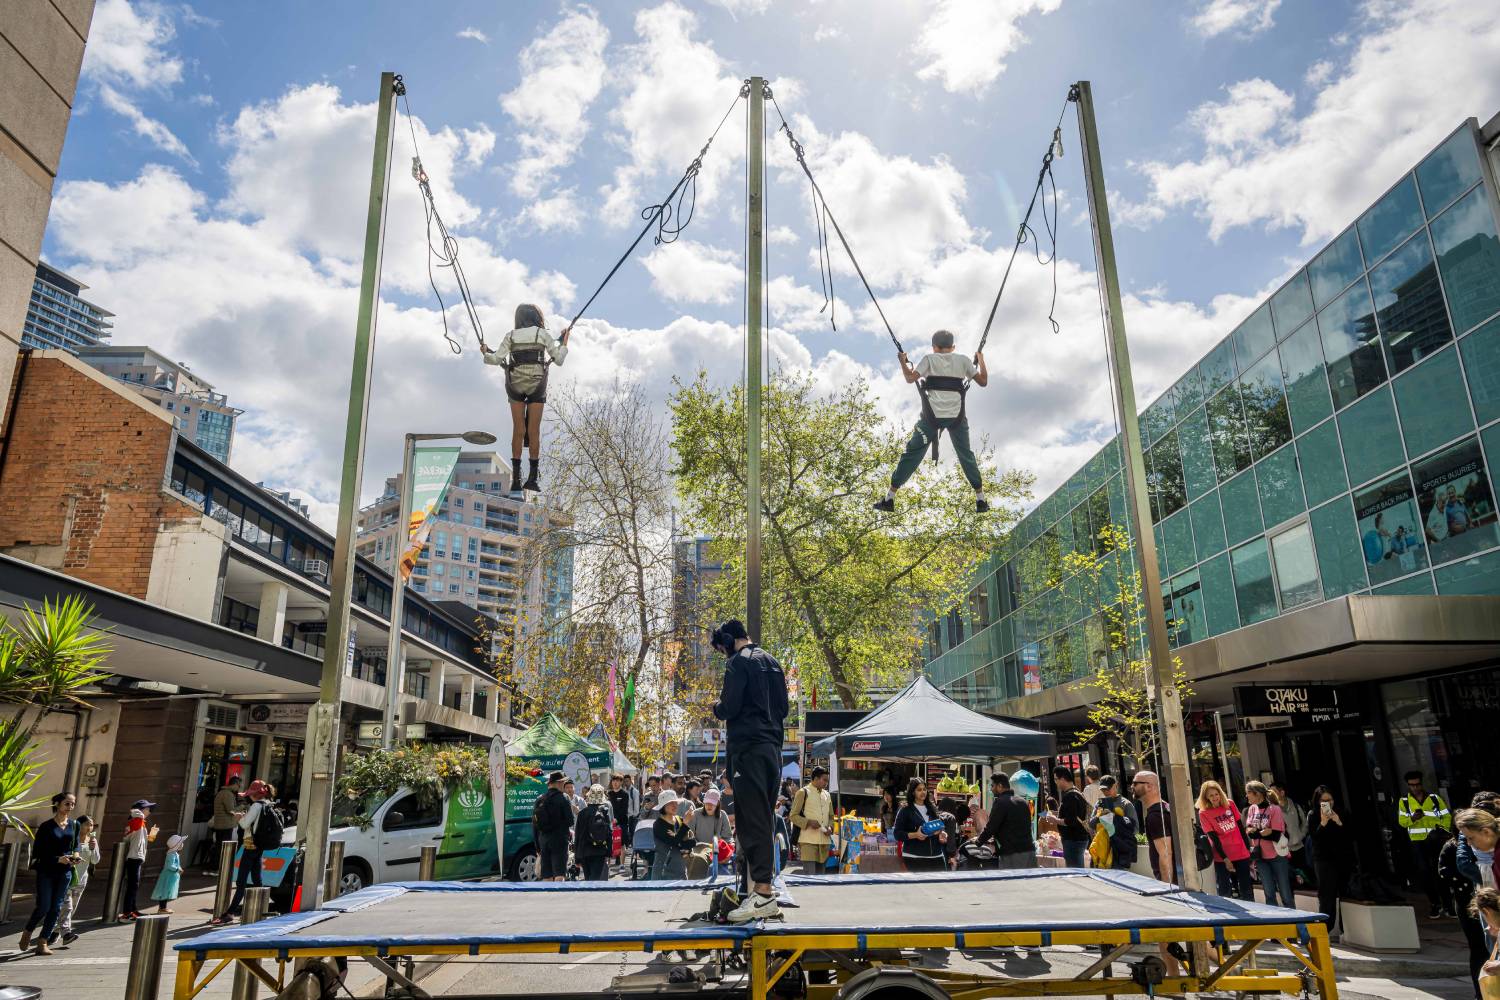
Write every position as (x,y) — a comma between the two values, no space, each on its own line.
(942,383)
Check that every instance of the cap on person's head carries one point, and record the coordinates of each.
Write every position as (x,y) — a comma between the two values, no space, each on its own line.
(555,777)
(258,787)
(667,798)
(1107,781)
(711,797)
(817,772)
(942,339)
(143,804)
(596,795)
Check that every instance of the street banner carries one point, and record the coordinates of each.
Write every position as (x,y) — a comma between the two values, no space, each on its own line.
(432,471)
(497,793)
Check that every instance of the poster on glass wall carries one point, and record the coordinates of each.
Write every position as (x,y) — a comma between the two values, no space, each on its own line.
(1031,667)
(1389,530)
(1457,505)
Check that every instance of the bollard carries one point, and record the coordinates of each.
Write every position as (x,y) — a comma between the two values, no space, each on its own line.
(335,873)
(427,870)
(257,901)
(224,891)
(115,887)
(8,869)
(147,946)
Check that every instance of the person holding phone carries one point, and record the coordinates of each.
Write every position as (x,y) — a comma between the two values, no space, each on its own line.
(56,851)
(1331,847)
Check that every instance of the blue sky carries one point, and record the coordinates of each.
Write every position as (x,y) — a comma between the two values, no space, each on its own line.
(214,179)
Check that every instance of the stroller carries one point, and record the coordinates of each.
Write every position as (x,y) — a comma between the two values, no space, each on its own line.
(642,847)
(974,856)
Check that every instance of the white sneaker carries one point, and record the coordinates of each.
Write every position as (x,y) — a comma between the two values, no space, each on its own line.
(754,907)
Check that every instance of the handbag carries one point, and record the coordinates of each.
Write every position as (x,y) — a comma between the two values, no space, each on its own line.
(1489,986)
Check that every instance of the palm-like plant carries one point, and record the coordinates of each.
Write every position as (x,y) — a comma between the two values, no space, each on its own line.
(47,659)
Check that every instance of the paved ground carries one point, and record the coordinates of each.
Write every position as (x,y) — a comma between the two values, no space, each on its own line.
(94,967)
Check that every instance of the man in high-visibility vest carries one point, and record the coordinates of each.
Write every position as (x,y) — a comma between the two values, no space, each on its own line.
(1428,825)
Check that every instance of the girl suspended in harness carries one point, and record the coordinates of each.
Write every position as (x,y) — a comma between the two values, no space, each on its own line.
(525,354)
(942,378)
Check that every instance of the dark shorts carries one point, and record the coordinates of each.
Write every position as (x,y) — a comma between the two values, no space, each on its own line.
(552,855)
(539,396)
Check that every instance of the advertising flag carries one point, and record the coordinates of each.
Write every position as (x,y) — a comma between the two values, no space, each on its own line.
(432,471)
(609,697)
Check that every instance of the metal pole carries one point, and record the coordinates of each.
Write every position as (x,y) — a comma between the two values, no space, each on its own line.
(323,721)
(225,887)
(1223,754)
(335,874)
(1169,698)
(395,653)
(148,945)
(427,867)
(754,266)
(115,887)
(257,899)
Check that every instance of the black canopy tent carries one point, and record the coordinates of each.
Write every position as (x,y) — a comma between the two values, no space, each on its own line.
(921,723)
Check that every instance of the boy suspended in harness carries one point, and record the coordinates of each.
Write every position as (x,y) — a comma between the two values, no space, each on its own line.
(942,378)
(525,354)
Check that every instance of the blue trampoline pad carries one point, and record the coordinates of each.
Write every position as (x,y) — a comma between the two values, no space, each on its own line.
(408,915)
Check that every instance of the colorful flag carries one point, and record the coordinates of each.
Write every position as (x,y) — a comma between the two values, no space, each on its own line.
(432,471)
(629,700)
(609,696)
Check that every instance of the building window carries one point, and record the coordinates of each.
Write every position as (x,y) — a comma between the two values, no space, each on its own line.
(1254,591)
(1296,567)
(1409,304)
(1350,345)
(452,588)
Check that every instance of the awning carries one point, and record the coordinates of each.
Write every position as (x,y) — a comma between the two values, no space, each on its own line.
(921,723)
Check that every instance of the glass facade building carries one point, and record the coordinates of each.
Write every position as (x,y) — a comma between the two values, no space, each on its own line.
(58,318)
(1339,441)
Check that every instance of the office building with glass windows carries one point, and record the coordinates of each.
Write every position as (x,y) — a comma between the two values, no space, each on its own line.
(59,318)
(201,415)
(1324,516)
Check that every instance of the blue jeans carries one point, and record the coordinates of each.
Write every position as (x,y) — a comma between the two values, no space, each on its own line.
(1074,852)
(1276,879)
(51,890)
(1234,883)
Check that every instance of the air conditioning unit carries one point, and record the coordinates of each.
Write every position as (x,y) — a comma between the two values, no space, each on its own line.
(316,568)
(224,716)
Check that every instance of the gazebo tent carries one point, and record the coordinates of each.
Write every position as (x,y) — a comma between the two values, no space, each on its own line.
(921,723)
(549,746)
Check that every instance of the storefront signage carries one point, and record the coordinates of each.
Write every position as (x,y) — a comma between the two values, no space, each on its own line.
(864,746)
(277,713)
(1271,706)
(369,734)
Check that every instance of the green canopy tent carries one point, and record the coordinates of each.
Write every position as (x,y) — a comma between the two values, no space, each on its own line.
(550,746)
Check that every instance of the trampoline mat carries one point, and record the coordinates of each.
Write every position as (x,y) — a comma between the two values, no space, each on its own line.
(415,913)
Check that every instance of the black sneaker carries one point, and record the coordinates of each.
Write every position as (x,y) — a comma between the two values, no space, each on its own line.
(69,937)
(1436,913)
(886,505)
(981,505)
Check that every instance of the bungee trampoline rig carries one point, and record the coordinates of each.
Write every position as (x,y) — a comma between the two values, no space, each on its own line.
(833,930)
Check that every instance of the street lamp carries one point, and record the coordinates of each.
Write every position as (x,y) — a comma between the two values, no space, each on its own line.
(395,660)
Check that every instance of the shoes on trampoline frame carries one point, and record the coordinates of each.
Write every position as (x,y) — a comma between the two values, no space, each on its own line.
(754,907)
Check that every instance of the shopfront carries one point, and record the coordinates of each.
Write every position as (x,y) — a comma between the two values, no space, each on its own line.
(1446,727)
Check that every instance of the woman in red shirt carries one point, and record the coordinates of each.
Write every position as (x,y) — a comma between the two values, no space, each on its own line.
(1220,820)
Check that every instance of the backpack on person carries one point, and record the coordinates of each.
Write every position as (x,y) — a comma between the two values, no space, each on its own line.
(601,831)
(269,827)
(541,816)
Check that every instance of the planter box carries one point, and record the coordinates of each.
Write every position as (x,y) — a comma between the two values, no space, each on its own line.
(1380,928)
(1142,864)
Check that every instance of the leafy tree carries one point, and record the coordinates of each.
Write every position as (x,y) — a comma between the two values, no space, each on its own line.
(844,584)
(1120,678)
(47,659)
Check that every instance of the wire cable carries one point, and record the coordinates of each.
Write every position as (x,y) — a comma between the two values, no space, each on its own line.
(446,250)
(660,216)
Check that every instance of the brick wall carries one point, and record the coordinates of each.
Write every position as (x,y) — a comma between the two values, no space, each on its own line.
(81,490)
(151,762)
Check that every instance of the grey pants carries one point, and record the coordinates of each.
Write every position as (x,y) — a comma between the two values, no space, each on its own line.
(921,441)
(1018,860)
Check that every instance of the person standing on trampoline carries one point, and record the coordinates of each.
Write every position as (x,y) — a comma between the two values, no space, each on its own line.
(525,354)
(753,705)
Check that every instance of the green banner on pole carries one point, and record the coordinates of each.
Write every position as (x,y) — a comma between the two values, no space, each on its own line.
(432,471)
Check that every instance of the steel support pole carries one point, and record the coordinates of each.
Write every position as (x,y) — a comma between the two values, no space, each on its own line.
(323,721)
(148,944)
(427,866)
(395,653)
(224,888)
(257,901)
(754,268)
(114,889)
(1174,738)
(335,875)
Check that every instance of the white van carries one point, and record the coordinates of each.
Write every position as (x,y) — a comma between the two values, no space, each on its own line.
(462,826)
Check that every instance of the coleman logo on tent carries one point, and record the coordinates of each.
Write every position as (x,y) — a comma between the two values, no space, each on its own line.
(863,745)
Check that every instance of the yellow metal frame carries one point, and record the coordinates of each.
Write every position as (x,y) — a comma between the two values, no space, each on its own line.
(771,956)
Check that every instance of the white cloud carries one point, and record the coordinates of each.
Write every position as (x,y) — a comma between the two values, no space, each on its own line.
(684,271)
(827,33)
(1247,17)
(474,34)
(964,43)
(128,45)
(479,143)
(561,212)
(738,7)
(782,236)
(562,73)
(152,130)
(1319,72)
(677,90)
(1315,171)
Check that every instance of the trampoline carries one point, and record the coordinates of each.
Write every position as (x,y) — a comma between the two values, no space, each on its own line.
(841,923)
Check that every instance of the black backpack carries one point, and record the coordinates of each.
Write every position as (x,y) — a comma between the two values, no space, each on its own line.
(541,816)
(601,833)
(269,826)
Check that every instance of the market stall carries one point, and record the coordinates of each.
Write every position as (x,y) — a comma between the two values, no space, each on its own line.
(924,727)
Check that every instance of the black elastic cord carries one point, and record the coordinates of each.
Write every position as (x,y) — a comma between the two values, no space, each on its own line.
(660,215)
(1024,231)
(818,199)
(446,253)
